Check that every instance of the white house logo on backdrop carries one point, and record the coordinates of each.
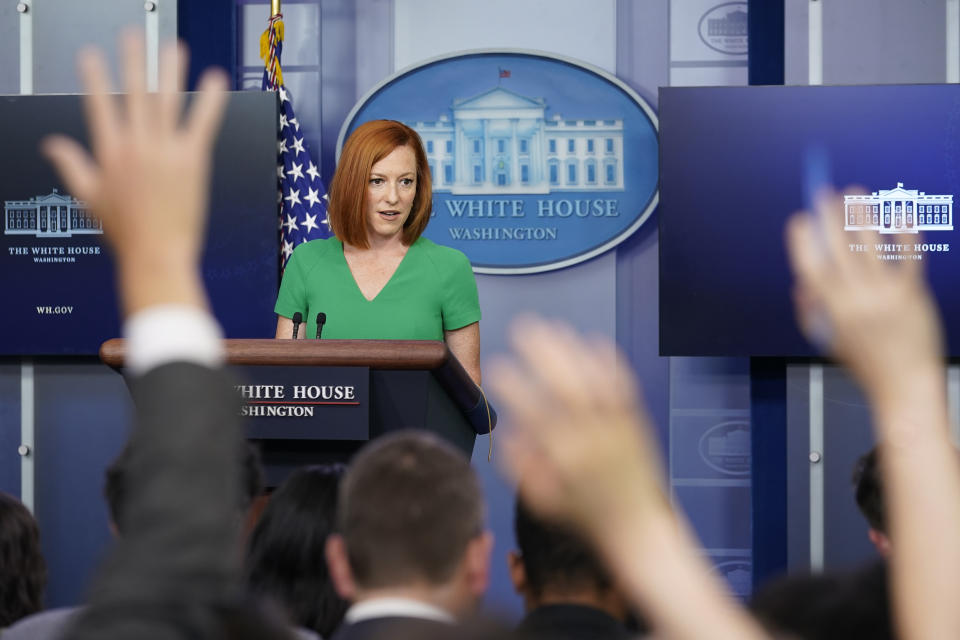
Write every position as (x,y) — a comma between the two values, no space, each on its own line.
(53,229)
(725,447)
(537,162)
(738,574)
(898,210)
(54,215)
(503,142)
(724,28)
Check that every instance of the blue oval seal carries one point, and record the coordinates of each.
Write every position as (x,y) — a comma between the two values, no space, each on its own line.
(538,162)
(724,28)
(738,574)
(725,447)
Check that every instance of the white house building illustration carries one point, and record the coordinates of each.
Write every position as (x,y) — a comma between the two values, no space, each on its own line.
(502,142)
(54,215)
(898,210)
(732,24)
(734,443)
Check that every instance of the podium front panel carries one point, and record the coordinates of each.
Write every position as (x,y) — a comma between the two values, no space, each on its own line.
(305,403)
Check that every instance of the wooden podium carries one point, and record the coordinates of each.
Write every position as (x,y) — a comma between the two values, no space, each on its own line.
(313,401)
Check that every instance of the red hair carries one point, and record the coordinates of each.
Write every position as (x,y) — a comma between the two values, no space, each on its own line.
(370,143)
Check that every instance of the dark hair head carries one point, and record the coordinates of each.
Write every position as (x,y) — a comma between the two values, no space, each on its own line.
(285,555)
(370,143)
(409,506)
(829,606)
(250,619)
(23,572)
(868,487)
(115,482)
(554,557)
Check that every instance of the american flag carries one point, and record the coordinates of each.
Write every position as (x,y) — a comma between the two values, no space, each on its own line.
(301,197)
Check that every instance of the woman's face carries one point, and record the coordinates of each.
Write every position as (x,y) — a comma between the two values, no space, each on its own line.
(390,192)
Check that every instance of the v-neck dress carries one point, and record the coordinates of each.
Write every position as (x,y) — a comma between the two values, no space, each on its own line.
(433,290)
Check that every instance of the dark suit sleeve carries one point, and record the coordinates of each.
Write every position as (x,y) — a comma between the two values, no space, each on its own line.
(178,558)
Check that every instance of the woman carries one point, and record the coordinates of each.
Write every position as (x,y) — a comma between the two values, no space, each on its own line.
(285,556)
(23,572)
(378,278)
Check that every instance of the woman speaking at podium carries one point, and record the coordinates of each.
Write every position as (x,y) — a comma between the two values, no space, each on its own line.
(377,278)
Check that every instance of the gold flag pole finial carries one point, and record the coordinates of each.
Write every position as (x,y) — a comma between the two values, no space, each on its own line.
(270,42)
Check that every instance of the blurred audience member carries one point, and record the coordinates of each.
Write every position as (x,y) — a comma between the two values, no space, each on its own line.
(829,606)
(880,320)
(285,556)
(477,628)
(584,446)
(116,486)
(175,572)
(52,623)
(584,450)
(567,593)
(411,551)
(23,571)
(868,487)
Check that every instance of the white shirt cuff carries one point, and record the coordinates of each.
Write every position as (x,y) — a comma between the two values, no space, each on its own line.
(172,333)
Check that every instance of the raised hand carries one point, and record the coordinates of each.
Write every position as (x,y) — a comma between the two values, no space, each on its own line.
(582,451)
(880,316)
(884,327)
(148,176)
(579,435)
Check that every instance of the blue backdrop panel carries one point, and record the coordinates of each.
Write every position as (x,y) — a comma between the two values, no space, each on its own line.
(765,33)
(58,278)
(209,29)
(769,494)
(733,167)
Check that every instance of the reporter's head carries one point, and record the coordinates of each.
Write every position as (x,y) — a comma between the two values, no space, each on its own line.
(411,519)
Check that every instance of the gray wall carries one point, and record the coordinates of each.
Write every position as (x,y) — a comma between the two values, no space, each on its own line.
(9,48)
(870,42)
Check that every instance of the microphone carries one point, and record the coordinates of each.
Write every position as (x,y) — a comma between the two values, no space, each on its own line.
(321,319)
(297,319)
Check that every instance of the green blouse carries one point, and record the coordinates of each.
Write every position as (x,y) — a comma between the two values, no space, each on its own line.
(433,290)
